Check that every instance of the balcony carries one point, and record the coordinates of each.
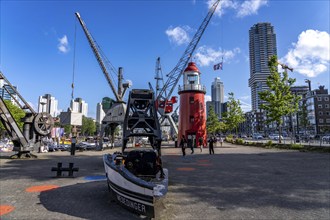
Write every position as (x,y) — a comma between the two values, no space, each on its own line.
(188,87)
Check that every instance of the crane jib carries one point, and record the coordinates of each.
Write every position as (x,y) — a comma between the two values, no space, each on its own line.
(175,74)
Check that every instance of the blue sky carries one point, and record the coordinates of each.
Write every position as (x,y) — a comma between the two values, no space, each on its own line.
(38,38)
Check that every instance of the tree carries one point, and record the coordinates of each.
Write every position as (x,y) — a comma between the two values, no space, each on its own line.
(88,126)
(212,122)
(234,116)
(67,129)
(303,114)
(17,114)
(279,101)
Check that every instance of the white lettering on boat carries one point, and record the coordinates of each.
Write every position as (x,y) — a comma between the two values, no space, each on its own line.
(129,203)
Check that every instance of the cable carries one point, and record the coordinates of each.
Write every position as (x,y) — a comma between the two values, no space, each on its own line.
(74,58)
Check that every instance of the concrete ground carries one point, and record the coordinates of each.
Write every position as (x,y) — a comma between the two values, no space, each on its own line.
(238,182)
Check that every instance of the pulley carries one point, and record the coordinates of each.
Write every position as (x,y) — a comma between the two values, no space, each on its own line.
(43,123)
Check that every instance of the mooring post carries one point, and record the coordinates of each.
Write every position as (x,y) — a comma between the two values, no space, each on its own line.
(73,145)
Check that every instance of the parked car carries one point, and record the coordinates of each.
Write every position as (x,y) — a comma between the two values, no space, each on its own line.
(257,136)
(64,147)
(85,146)
(275,137)
(326,139)
(242,136)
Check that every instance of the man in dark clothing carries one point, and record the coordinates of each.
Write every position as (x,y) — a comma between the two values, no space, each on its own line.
(211,142)
(183,145)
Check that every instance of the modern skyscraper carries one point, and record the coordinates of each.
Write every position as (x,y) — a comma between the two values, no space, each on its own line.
(79,105)
(262,45)
(217,90)
(217,95)
(48,103)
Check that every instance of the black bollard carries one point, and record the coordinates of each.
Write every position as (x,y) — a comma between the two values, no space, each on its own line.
(73,145)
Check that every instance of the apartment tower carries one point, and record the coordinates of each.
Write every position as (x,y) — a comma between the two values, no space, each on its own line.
(262,45)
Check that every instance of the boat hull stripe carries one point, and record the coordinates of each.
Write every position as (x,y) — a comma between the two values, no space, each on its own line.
(134,195)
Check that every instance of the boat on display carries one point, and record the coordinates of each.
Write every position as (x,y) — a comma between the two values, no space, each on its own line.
(136,178)
(136,181)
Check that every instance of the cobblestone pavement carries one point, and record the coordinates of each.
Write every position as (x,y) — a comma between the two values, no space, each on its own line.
(237,182)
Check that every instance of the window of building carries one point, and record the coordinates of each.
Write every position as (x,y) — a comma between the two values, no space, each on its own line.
(319,98)
(321,120)
(319,106)
(320,113)
(191,100)
(326,105)
(328,120)
(192,119)
(326,98)
(327,113)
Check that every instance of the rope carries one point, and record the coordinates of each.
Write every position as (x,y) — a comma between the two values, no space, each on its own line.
(74,58)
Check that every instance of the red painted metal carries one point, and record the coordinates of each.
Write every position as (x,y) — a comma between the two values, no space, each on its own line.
(192,67)
(192,113)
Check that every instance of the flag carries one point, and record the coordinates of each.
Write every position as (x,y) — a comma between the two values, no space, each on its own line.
(217,66)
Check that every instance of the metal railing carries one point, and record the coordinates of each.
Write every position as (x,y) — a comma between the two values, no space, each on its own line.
(192,87)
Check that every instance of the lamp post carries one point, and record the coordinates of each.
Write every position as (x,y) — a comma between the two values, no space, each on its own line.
(309,84)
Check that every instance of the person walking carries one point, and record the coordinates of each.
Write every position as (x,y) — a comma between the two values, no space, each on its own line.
(221,141)
(200,142)
(191,144)
(211,143)
(183,145)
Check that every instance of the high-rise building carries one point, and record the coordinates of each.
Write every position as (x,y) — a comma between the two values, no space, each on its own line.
(48,103)
(217,90)
(6,92)
(99,113)
(80,106)
(217,96)
(262,45)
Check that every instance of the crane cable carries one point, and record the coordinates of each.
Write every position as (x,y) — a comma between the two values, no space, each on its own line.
(74,59)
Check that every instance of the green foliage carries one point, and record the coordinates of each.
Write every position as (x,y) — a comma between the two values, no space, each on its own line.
(67,129)
(17,114)
(296,146)
(234,116)
(212,123)
(88,126)
(269,143)
(239,141)
(229,139)
(279,100)
(303,115)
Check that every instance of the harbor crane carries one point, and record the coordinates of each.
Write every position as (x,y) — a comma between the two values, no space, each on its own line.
(116,114)
(35,125)
(164,101)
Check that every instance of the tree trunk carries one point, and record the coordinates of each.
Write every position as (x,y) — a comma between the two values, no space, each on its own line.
(279,134)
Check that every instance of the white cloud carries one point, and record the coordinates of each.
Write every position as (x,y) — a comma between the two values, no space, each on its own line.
(207,98)
(248,7)
(245,106)
(245,97)
(63,45)
(206,56)
(178,35)
(310,56)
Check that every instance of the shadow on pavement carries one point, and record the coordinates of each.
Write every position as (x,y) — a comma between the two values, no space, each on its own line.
(89,200)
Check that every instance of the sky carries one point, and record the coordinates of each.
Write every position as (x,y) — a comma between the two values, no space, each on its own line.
(43,48)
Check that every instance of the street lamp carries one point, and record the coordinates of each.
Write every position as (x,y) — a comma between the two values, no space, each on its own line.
(309,84)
